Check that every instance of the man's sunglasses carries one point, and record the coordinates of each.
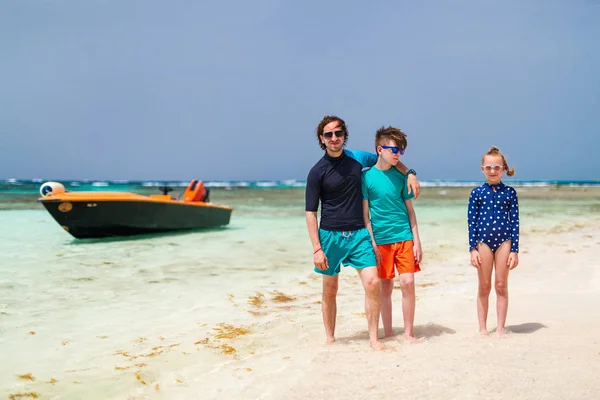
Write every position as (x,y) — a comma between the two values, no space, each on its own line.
(394,149)
(329,135)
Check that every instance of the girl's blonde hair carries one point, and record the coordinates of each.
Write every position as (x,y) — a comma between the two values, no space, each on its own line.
(494,151)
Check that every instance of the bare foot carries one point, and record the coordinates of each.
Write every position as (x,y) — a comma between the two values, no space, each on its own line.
(378,346)
(500,332)
(330,340)
(390,336)
(483,332)
(414,340)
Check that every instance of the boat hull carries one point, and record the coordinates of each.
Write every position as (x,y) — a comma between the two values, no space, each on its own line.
(99,218)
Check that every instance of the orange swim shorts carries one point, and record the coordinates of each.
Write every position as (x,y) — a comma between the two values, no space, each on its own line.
(400,255)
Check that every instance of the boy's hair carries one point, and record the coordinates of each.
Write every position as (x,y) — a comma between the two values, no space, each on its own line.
(326,120)
(384,135)
(494,151)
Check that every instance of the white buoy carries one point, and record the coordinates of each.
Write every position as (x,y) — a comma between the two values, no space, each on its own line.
(51,188)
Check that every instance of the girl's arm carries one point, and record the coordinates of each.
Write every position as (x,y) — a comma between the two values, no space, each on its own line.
(472,217)
(513,212)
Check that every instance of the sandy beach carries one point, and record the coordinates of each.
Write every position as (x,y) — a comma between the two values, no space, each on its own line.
(236,314)
(551,352)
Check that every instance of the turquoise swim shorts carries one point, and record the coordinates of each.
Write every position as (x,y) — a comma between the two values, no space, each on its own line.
(350,248)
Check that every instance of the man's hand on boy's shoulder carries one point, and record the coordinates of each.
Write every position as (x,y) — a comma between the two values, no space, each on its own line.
(413,185)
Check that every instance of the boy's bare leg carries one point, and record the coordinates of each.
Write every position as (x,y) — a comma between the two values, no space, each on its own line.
(370,282)
(484,275)
(329,306)
(385,298)
(501,284)
(407,285)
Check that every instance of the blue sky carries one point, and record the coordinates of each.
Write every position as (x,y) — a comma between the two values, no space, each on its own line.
(160,90)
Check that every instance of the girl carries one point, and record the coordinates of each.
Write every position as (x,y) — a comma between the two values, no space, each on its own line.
(493,236)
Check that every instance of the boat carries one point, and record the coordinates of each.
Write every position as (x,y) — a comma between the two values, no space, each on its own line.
(87,215)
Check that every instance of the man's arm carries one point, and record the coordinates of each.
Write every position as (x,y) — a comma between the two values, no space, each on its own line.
(413,183)
(313,194)
(319,257)
(369,159)
(402,168)
(313,229)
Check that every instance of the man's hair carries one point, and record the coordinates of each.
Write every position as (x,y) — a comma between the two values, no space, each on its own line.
(326,120)
(384,135)
(494,151)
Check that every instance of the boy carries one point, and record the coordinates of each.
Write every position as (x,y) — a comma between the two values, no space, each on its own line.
(390,218)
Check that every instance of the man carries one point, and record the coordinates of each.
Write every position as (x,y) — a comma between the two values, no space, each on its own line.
(341,237)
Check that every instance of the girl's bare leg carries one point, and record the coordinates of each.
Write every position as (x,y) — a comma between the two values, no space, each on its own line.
(484,276)
(501,284)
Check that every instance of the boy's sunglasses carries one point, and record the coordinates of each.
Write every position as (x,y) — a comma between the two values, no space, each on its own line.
(394,149)
(492,168)
(329,135)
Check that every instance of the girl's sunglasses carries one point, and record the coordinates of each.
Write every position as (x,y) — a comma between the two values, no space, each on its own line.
(493,168)
(329,135)
(394,149)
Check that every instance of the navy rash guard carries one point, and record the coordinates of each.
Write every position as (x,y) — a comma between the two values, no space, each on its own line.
(494,216)
(336,182)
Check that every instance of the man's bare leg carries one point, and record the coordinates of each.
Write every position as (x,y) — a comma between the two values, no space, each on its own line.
(501,285)
(484,275)
(407,285)
(329,306)
(385,299)
(370,282)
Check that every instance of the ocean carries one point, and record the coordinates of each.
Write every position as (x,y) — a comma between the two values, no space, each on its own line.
(205,314)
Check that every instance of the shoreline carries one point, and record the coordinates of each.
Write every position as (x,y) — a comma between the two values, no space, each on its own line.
(295,196)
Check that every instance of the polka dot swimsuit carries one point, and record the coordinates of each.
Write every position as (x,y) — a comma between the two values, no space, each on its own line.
(493,216)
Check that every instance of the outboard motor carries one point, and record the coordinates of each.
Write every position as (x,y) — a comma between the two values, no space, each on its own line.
(51,188)
(196,191)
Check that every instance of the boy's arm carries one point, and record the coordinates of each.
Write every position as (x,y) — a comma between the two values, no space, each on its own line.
(412,217)
(366,215)
(367,219)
